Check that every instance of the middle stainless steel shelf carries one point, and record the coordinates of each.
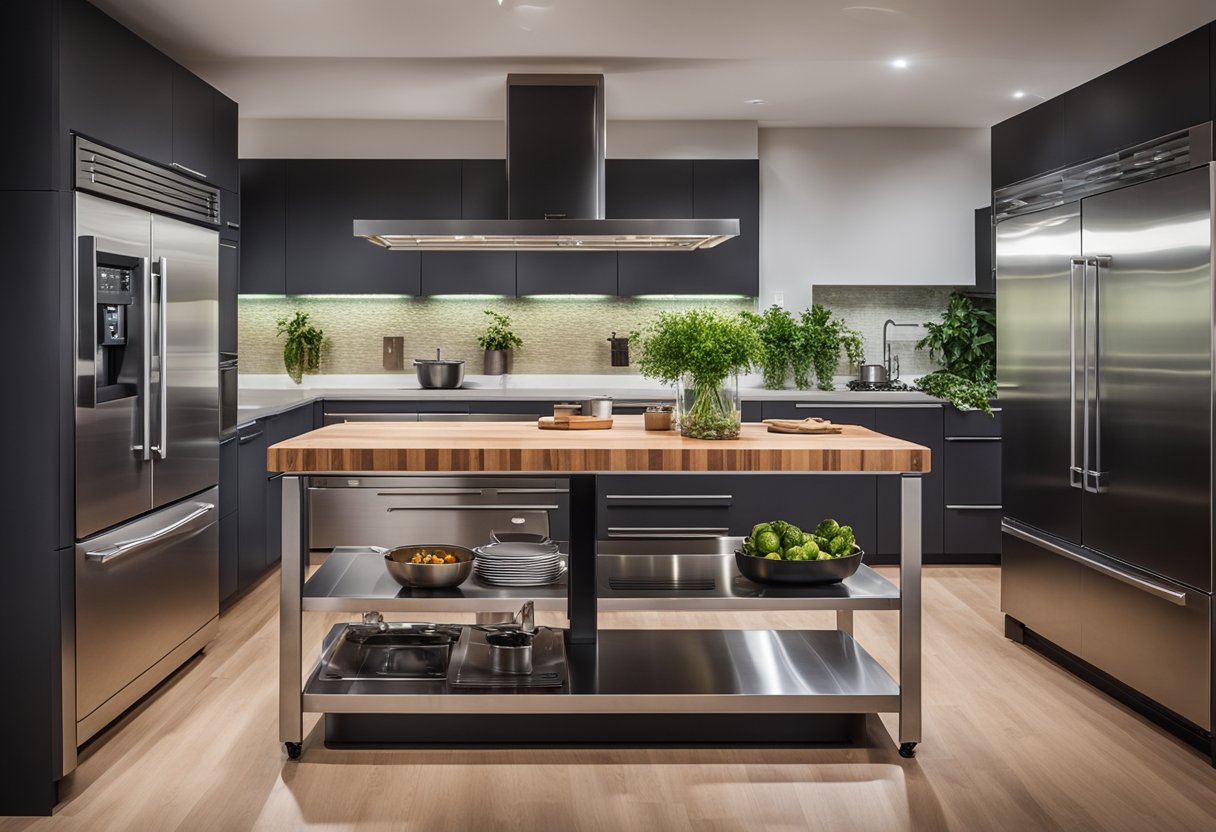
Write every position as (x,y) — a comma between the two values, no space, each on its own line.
(713,582)
(356,581)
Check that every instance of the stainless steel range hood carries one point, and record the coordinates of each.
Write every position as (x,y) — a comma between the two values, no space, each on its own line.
(555,186)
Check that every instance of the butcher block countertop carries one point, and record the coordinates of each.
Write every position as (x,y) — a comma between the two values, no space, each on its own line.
(438,447)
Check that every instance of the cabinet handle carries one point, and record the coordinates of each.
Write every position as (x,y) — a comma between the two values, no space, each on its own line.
(228,245)
(467,507)
(973,439)
(666,532)
(682,500)
(127,546)
(235,226)
(191,171)
(249,437)
(974,508)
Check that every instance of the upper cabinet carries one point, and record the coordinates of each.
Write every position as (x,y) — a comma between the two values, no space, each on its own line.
(193,125)
(326,196)
(1166,90)
(483,196)
(114,87)
(985,243)
(683,189)
(263,265)
(226,171)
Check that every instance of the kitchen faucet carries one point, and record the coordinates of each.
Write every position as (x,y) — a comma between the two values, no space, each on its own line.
(892,372)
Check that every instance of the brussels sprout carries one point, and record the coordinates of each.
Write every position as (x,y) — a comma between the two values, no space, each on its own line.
(795,553)
(812,550)
(760,527)
(792,536)
(827,528)
(773,556)
(841,545)
(767,543)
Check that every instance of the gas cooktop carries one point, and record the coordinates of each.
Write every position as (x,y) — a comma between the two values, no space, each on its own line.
(859,386)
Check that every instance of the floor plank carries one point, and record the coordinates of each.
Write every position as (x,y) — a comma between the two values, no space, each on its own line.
(1011,743)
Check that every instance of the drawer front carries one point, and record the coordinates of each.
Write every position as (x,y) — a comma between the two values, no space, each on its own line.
(663,507)
(973,472)
(972,422)
(972,530)
(863,416)
(229,475)
(135,608)
(391,406)
(922,425)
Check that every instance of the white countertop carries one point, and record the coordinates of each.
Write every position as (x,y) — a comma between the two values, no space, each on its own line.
(264,395)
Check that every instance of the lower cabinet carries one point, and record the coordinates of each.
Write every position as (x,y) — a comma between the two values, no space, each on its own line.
(251,526)
(922,425)
(229,552)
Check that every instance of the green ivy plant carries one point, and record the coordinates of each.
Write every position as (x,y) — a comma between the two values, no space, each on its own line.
(821,340)
(499,335)
(703,346)
(302,349)
(964,341)
(779,339)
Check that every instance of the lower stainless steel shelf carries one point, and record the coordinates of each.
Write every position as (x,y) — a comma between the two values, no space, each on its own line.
(713,582)
(657,671)
(356,581)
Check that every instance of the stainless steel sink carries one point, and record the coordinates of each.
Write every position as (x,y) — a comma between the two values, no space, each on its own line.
(393,651)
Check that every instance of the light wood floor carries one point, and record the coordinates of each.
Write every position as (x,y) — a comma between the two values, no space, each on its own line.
(1011,742)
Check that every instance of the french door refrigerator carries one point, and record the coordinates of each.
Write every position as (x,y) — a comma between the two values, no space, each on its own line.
(144,589)
(1104,322)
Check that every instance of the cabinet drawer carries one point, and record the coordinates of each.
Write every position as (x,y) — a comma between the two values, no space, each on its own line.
(229,475)
(972,422)
(972,530)
(973,472)
(659,507)
(863,416)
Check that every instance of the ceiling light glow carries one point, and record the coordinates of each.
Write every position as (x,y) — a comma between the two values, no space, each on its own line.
(755,101)
(1019,94)
(900,63)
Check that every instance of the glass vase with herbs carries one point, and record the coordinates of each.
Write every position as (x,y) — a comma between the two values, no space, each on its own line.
(302,349)
(964,342)
(701,352)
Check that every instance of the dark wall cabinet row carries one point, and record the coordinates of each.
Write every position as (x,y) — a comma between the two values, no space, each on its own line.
(1171,88)
(297,234)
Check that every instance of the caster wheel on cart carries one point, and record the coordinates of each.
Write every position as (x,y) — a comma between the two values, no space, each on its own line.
(295,749)
(906,749)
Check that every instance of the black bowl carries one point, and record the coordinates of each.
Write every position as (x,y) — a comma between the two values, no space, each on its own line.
(806,572)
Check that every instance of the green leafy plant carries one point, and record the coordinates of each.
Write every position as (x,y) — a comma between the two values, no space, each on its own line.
(821,340)
(964,341)
(302,349)
(700,347)
(499,335)
(779,339)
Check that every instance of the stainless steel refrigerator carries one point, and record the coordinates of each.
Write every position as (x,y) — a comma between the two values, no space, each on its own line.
(144,588)
(1104,322)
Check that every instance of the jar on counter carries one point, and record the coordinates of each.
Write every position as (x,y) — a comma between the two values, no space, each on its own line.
(658,417)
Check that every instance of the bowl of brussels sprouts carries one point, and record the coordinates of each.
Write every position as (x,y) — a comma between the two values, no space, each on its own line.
(778,552)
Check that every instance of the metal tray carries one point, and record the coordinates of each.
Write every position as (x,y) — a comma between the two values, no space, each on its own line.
(397,652)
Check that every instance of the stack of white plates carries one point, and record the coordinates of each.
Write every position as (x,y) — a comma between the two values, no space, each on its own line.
(519,564)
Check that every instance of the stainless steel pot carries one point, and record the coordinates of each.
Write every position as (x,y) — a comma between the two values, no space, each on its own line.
(599,407)
(873,374)
(439,373)
(510,651)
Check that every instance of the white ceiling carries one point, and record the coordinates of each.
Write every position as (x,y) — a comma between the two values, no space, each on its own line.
(815,62)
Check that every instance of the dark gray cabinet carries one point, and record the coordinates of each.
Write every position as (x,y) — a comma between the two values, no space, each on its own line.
(229,556)
(972,487)
(193,125)
(326,196)
(229,475)
(114,87)
(860,415)
(565,273)
(649,189)
(1165,90)
(483,189)
(251,490)
(264,223)
(225,168)
(922,425)
(230,281)
(230,215)
(483,196)
(985,252)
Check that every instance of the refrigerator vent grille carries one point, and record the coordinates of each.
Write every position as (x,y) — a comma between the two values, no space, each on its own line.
(1172,153)
(109,173)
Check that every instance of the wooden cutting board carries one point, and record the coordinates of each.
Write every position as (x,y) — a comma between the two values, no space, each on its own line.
(573,423)
(811,425)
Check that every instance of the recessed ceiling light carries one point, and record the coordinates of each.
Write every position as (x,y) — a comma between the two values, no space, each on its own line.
(900,63)
(755,101)
(1019,94)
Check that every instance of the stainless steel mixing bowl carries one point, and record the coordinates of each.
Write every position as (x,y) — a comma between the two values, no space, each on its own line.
(429,575)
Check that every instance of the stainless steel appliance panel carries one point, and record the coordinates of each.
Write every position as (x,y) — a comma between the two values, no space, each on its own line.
(141,591)
(113,482)
(1148,486)
(185,263)
(1038,319)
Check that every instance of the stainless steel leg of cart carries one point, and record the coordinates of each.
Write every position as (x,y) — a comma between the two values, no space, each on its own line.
(291,581)
(909,614)
(844,621)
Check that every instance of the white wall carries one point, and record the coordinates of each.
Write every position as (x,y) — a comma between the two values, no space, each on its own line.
(386,139)
(873,206)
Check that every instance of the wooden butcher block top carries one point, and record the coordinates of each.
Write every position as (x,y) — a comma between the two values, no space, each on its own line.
(397,447)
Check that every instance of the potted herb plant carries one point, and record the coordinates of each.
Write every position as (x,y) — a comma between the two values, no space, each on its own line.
(779,336)
(498,340)
(302,349)
(820,341)
(701,352)
(964,341)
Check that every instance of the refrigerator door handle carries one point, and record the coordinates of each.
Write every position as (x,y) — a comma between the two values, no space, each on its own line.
(162,387)
(125,547)
(1094,475)
(1076,472)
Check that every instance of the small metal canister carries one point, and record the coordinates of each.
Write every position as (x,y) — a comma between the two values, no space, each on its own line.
(567,410)
(600,408)
(659,417)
